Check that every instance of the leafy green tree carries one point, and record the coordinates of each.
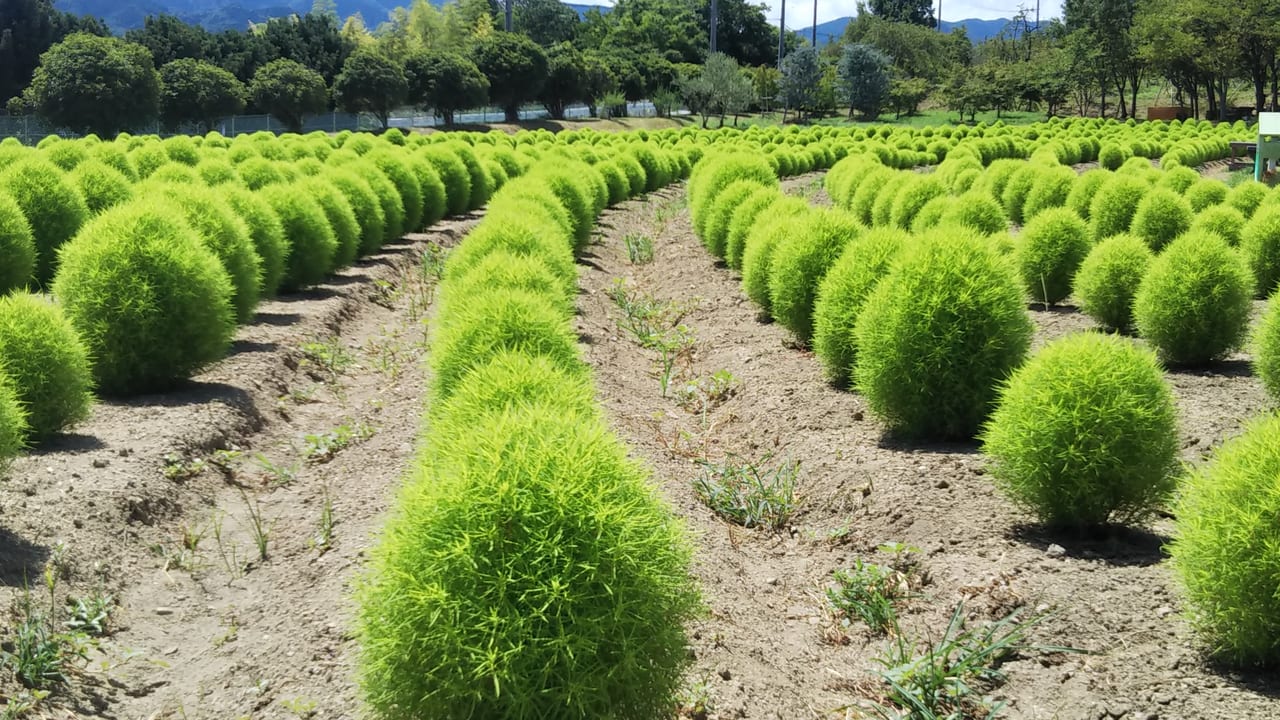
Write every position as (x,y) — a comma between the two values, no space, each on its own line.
(670,28)
(93,84)
(194,91)
(240,53)
(546,22)
(169,38)
(599,79)
(288,91)
(371,82)
(719,88)
(916,12)
(516,69)
(906,94)
(566,79)
(864,79)
(445,82)
(801,74)
(764,85)
(914,50)
(742,31)
(27,29)
(314,40)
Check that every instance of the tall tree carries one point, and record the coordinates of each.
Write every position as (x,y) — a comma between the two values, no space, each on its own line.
(719,88)
(516,69)
(863,73)
(566,79)
(371,82)
(916,12)
(445,82)
(197,92)
(169,39)
(742,31)
(313,40)
(801,74)
(546,22)
(27,29)
(93,84)
(288,91)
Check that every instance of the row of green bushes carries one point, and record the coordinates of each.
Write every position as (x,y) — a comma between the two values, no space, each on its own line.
(930,324)
(528,569)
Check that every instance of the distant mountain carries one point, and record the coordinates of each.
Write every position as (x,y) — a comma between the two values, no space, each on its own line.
(978,30)
(214,15)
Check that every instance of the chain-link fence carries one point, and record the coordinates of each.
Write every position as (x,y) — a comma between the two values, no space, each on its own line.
(30,129)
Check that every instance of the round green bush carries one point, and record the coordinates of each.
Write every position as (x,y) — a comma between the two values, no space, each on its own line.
(48,363)
(1247,196)
(1178,179)
(882,209)
(1193,305)
(513,380)
(1108,279)
(1224,220)
(17,246)
(1161,216)
(1206,192)
(528,571)
(977,211)
(715,173)
(931,214)
(501,270)
(1018,188)
(101,185)
(756,206)
(1050,190)
(1112,156)
(471,333)
(258,172)
(1260,246)
(216,171)
(523,237)
(801,259)
(175,174)
(53,207)
(634,172)
(266,233)
(66,155)
(226,235)
(1114,204)
(434,198)
(1266,349)
(364,204)
(405,182)
(542,208)
(1223,550)
(1049,251)
(572,194)
(454,176)
(721,212)
(757,258)
(346,228)
(616,181)
(863,200)
(1085,188)
(312,244)
(481,187)
(1085,433)
(939,334)
(149,158)
(842,295)
(149,300)
(388,198)
(913,196)
(13,422)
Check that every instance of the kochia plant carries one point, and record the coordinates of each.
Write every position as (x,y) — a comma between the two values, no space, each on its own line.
(53,206)
(1161,216)
(1260,246)
(1108,279)
(13,422)
(49,364)
(1048,252)
(802,258)
(1085,433)
(17,248)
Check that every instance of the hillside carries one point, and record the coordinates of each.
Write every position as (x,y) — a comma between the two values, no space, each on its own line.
(978,29)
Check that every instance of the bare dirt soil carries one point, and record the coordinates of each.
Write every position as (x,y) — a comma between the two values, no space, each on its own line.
(153,501)
(770,647)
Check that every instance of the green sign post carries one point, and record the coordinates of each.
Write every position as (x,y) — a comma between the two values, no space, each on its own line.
(1268,154)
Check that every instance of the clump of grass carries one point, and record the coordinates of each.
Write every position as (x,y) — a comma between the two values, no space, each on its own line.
(639,248)
(868,592)
(750,493)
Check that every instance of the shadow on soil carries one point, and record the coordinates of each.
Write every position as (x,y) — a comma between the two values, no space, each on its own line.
(1221,368)
(197,393)
(277,319)
(1117,545)
(21,561)
(67,443)
(249,346)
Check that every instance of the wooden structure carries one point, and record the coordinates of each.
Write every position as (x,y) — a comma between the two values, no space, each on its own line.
(1267,155)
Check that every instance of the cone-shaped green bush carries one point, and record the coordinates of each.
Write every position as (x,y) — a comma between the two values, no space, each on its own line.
(52,205)
(17,247)
(1084,189)
(1206,192)
(1193,305)
(102,186)
(722,210)
(435,201)
(757,206)
(1049,251)
(842,295)
(471,333)
(939,334)
(1085,433)
(1109,277)
(1113,207)
(224,233)
(528,572)
(1161,216)
(365,206)
(1246,197)
(501,270)
(149,300)
(13,422)
(388,198)
(266,233)
(346,229)
(1223,220)
(511,381)
(405,182)
(1223,551)
(48,363)
(1266,349)
(757,258)
(1260,246)
(312,244)
(977,211)
(801,260)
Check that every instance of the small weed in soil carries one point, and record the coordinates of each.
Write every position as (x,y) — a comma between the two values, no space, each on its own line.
(946,679)
(178,468)
(43,645)
(323,447)
(257,525)
(324,537)
(749,493)
(639,248)
(328,356)
(276,475)
(646,318)
(695,701)
(868,593)
(704,394)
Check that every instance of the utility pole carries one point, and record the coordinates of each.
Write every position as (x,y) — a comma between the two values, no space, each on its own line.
(782,33)
(815,25)
(508,25)
(939,18)
(715,22)
(1037,15)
